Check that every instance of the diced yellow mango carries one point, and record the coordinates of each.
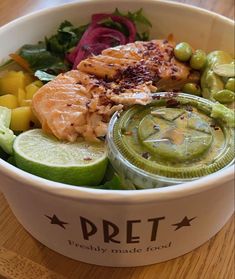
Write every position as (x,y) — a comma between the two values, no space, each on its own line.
(31,89)
(21,96)
(9,101)
(11,82)
(21,118)
(28,79)
(38,83)
(26,103)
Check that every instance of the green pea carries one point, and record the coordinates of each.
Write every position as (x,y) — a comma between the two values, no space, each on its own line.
(224,96)
(230,84)
(183,51)
(198,59)
(192,88)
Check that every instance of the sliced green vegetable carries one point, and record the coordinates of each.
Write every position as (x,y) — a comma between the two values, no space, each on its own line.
(7,137)
(5,116)
(223,113)
(224,70)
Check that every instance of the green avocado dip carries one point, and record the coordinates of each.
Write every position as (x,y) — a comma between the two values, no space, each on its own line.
(172,140)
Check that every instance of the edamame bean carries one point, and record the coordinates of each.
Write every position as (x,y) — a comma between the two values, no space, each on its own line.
(192,88)
(183,51)
(198,59)
(230,84)
(218,57)
(224,96)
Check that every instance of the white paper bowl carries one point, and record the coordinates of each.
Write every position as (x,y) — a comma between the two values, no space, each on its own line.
(121,228)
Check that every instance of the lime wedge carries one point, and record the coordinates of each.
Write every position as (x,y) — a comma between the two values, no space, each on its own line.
(78,163)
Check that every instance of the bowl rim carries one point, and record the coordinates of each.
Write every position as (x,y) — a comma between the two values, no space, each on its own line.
(115,196)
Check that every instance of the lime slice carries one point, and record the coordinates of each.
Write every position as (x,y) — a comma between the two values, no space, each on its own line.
(78,163)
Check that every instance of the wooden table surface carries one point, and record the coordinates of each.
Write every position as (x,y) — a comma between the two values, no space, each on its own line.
(21,256)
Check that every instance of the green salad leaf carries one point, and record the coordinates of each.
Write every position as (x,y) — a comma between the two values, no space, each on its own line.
(140,21)
(111,180)
(65,39)
(223,113)
(109,23)
(113,184)
(48,58)
(39,58)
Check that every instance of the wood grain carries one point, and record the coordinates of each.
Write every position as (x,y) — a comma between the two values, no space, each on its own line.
(22,257)
(15,266)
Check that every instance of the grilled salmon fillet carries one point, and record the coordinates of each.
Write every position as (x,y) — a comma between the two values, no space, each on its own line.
(81,102)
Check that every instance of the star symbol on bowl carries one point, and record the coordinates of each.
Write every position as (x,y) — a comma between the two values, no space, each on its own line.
(56,221)
(184,223)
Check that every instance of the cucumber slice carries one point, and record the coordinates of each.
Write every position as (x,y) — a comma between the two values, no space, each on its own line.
(7,137)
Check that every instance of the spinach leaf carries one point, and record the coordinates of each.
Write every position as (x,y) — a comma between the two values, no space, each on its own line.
(109,23)
(48,58)
(140,21)
(39,58)
(111,180)
(144,36)
(113,184)
(67,37)
(137,17)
